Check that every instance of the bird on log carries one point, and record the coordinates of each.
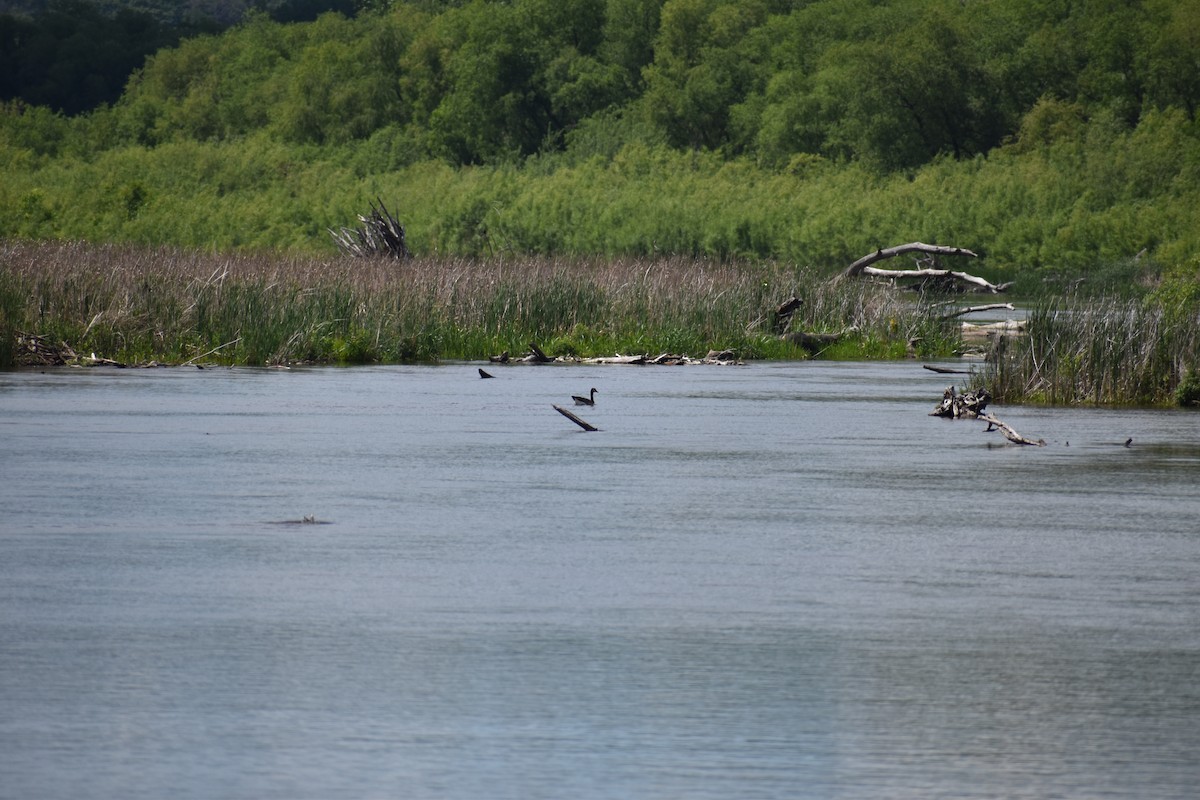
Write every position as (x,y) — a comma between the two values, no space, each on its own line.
(585,401)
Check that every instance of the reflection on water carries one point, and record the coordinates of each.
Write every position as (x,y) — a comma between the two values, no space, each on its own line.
(777,580)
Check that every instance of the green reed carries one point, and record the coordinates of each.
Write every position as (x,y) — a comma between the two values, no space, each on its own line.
(1097,351)
(137,304)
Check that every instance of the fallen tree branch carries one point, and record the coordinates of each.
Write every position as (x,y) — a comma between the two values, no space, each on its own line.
(972,309)
(964,277)
(1009,433)
(863,265)
(587,426)
(912,247)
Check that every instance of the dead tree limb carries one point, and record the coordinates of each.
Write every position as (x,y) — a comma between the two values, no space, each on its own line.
(587,426)
(972,309)
(863,265)
(912,247)
(1010,434)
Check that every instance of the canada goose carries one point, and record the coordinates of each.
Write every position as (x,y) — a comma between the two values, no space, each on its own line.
(585,401)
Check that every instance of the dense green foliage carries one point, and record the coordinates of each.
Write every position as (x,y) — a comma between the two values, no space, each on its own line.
(1055,138)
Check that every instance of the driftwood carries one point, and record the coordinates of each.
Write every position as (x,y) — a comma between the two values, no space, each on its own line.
(934,271)
(972,309)
(33,350)
(587,426)
(617,359)
(380,234)
(972,333)
(946,370)
(1010,434)
(485,374)
(967,404)
(537,356)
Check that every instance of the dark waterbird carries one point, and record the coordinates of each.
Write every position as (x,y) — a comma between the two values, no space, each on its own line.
(585,401)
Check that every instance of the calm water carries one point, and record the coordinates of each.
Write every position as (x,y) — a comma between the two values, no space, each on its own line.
(768,581)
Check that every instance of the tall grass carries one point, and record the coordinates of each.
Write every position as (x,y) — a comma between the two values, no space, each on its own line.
(1097,351)
(137,304)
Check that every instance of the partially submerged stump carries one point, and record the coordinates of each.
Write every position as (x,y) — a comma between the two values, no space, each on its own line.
(971,405)
(967,404)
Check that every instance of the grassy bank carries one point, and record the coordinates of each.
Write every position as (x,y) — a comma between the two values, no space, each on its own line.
(1097,351)
(137,304)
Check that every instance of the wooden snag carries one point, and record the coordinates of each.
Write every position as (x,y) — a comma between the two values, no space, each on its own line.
(1009,433)
(587,426)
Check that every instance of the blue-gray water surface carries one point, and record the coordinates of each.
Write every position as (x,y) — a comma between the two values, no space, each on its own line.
(760,581)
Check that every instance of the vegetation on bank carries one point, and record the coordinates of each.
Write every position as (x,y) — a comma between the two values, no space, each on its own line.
(616,176)
(1083,350)
(1059,140)
(136,305)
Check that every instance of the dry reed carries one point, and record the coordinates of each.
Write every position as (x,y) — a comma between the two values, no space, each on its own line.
(137,304)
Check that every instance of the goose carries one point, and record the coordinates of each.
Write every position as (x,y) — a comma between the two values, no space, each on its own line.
(585,401)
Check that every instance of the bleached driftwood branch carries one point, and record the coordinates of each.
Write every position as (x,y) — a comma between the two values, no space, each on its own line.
(972,309)
(1009,433)
(863,265)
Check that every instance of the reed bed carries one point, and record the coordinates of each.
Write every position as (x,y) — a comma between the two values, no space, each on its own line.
(138,304)
(1081,351)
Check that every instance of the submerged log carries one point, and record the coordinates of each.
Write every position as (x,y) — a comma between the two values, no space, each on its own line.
(587,426)
(1010,434)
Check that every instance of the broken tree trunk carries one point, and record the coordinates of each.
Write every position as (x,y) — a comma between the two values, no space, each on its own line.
(1010,434)
(955,405)
(863,265)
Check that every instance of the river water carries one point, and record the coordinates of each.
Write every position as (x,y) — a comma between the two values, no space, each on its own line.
(760,581)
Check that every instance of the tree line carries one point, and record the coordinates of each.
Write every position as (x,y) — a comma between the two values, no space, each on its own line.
(1056,134)
(890,84)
